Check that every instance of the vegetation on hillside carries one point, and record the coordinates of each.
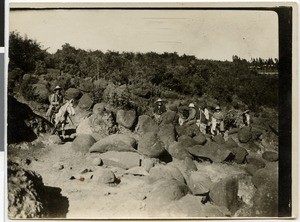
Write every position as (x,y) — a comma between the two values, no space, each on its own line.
(186,75)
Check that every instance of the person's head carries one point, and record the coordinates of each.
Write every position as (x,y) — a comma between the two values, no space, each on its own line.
(57,89)
(217,109)
(246,112)
(191,105)
(159,102)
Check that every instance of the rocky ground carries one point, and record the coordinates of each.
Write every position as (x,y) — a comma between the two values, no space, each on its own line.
(122,165)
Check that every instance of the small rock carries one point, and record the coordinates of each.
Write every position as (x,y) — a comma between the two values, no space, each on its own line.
(239,154)
(54,139)
(270,156)
(105,176)
(190,165)
(97,161)
(58,166)
(85,102)
(200,138)
(148,163)
(137,171)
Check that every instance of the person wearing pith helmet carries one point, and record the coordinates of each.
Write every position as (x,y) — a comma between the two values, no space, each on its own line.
(192,114)
(56,100)
(217,122)
(159,109)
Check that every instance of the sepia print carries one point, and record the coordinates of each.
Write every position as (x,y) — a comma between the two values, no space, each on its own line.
(148,112)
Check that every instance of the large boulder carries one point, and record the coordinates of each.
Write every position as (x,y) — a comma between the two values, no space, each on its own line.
(256,161)
(166,191)
(230,144)
(240,154)
(270,156)
(244,134)
(267,175)
(178,151)
(83,143)
(115,142)
(190,206)
(146,124)
(41,91)
(85,102)
(86,85)
(84,127)
(125,160)
(167,134)
(150,145)
(199,183)
(126,118)
(73,93)
(265,201)
(188,130)
(165,172)
(212,151)
(225,193)
(187,141)
(169,117)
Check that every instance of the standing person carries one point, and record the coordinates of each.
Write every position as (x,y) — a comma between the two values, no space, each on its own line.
(246,117)
(56,101)
(217,122)
(159,109)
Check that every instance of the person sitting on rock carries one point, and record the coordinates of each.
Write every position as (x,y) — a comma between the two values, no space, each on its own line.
(192,115)
(56,100)
(203,122)
(159,109)
(246,118)
(217,122)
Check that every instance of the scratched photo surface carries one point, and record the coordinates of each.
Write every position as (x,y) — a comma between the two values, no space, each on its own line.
(142,113)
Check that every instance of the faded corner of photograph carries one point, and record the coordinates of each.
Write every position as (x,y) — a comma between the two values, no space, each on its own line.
(142,113)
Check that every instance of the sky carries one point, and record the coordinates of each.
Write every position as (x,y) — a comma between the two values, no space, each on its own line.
(206,34)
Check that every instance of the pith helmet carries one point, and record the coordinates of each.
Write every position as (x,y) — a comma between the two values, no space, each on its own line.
(57,88)
(192,105)
(159,100)
(217,108)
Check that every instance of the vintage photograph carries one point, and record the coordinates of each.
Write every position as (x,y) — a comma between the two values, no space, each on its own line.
(124,112)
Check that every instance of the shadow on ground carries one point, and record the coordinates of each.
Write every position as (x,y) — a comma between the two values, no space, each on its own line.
(57,204)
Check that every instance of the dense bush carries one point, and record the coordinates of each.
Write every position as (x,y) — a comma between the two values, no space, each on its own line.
(149,74)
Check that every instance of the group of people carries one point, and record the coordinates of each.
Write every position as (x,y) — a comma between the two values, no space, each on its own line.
(208,122)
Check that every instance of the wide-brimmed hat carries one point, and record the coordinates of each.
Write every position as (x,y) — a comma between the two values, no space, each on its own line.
(247,111)
(57,88)
(192,105)
(159,100)
(217,108)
